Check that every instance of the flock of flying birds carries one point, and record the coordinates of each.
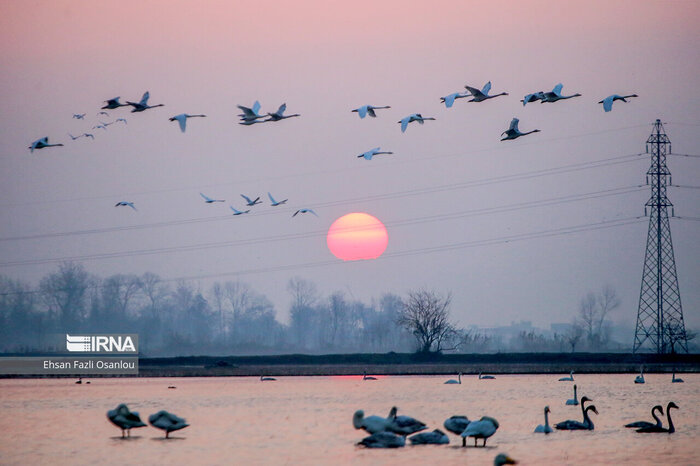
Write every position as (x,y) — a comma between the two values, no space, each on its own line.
(252,115)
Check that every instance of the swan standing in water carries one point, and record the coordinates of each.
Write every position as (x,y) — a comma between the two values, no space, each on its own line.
(485,377)
(570,378)
(456,424)
(657,428)
(125,419)
(182,120)
(573,401)
(608,101)
(383,440)
(640,377)
(544,429)
(368,110)
(483,94)
(453,381)
(587,423)
(642,424)
(436,437)
(676,379)
(143,103)
(483,428)
(514,133)
(371,424)
(404,425)
(366,377)
(555,94)
(167,421)
(42,143)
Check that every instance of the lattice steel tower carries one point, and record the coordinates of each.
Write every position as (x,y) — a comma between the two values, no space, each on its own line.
(660,326)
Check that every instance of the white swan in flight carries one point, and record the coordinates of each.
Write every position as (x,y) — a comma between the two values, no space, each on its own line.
(125,204)
(675,379)
(239,212)
(250,114)
(570,378)
(372,152)
(251,202)
(167,421)
(456,424)
(304,211)
(641,424)
(267,379)
(371,424)
(105,113)
(124,419)
(100,126)
(483,94)
(411,118)
(123,120)
(41,144)
(573,401)
(555,94)
(436,437)
(88,135)
(383,440)
(143,103)
(368,110)
(182,119)
(640,377)
(534,97)
(513,132)
(657,428)
(113,104)
(587,423)
(367,377)
(483,428)
(449,100)
(404,425)
(279,114)
(209,200)
(453,381)
(485,377)
(275,203)
(544,429)
(78,116)
(608,101)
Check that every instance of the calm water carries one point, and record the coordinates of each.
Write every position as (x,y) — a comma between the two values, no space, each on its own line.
(307,420)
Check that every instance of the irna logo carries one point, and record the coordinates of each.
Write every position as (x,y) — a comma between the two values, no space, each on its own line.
(102,343)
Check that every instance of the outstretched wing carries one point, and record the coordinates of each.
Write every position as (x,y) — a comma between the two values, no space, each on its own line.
(608,102)
(256,107)
(514,125)
(370,112)
(474,91)
(557,89)
(404,124)
(487,87)
(208,199)
(272,199)
(450,99)
(281,110)
(362,111)
(247,199)
(144,99)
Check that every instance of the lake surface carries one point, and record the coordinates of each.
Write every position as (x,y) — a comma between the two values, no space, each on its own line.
(308,420)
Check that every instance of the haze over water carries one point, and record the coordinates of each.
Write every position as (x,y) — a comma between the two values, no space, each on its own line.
(307,420)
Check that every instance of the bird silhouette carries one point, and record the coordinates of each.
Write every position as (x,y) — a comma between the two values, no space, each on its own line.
(143,103)
(608,101)
(182,120)
(41,144)
(368,110)
(483,94)
(411,118)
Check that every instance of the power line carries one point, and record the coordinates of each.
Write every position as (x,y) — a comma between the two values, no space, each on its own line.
(685,155)
(686,186)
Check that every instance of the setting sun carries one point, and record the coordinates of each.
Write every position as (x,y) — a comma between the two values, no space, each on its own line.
(357,236)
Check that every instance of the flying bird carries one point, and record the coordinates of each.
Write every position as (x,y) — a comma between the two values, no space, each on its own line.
(124,204)
(371,153)
(121,119)
(209,200)
(143,104)
(483,94)
(124,419)
(449,100)
(182,119)
(100,126)
(608,101)
(368,110)
(274,202)
(42,143)
(239,212)
(78,116)
(167,421)
(89,135)
(250,202)
(555,94)
(304,211)
(113,103)
(250,114)
(534,97)
(513,132)
(75,137)
(412,117)
(279,114)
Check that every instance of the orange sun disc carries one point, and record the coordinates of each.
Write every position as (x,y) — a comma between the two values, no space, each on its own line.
(357,236)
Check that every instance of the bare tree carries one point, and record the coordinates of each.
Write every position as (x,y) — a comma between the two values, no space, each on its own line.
(573,335)
(65,292)
(156,292)
(303,292)
(426,315)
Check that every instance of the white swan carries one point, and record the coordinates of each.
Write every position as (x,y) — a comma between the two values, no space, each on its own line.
(641,424)
(453,381)
(209,200)
(42,143)
(456,424)
(513,132)
(676,379)
(573,401)
(182,120)
(640,377)
(404,425)
(123,120)
(250,114)
(279,114)
(367,377)
(555,94)
(372,152)
(485,377)
(412,117)
(534,97)
(88,135)
(251,202)
(371,424)
(436,437)
(113,104)
(143,103)
(304,211)
(274,202)
(167,421)
(125,419)
(544,429)
(608,101)
(125,204)
(502,459)
(368,110)
(449,100)
(483,428)
(570,378)
(267,379)
(238,212)
(383,440)
(78,116)
(483,94)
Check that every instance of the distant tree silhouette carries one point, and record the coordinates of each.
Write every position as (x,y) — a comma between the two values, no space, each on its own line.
(426,315)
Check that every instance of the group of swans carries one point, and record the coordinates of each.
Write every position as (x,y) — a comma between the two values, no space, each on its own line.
(248,202)
(640,378)
(645,427)
(459,379)
(251,115)
(127,420)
